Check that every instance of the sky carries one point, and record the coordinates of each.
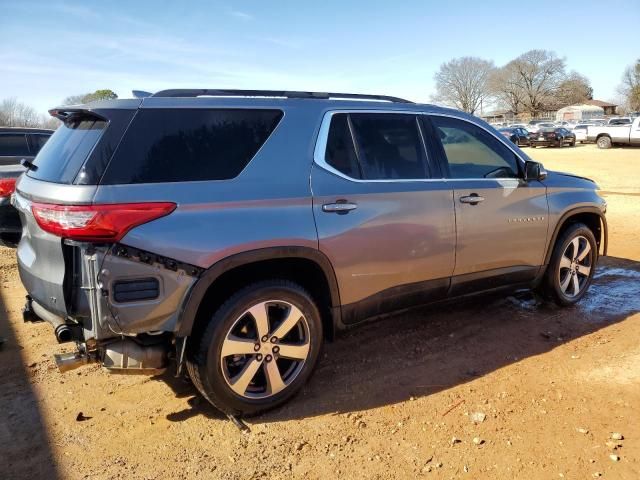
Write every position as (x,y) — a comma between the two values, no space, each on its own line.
(52,49)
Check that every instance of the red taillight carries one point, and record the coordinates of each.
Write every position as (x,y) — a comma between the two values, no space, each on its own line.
(551,135)
(97,223)
(7,187)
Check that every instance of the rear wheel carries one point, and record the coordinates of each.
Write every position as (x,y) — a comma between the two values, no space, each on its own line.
(258,349)
(604,142)
(572,265)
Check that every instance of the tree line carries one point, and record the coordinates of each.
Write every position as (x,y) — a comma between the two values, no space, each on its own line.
(17,114)
(535,82)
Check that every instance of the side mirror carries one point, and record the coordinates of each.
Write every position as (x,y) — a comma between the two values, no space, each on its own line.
(534,171)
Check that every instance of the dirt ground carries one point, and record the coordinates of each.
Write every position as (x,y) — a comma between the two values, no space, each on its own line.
(394,399)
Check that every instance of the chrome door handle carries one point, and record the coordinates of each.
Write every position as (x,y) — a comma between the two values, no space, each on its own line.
(339,207)
(472,199)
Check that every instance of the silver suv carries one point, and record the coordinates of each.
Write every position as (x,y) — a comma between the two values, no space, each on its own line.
(233,231)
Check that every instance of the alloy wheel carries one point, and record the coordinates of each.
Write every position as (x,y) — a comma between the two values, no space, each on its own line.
(575,266)
(265,349)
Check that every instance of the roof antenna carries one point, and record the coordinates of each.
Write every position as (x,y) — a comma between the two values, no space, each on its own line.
(140,94)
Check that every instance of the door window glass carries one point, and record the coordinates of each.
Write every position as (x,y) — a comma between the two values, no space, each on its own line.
(472,152)
(389,146)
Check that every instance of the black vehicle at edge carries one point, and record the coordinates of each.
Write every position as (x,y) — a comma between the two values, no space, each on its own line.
(552,137)
(519,136)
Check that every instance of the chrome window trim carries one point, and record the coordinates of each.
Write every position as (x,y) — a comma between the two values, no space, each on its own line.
(323,134)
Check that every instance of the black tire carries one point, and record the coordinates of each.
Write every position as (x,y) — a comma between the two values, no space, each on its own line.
(560,143)
(532,146)
(604,142)
(551,282)
(204,362)
(573,143)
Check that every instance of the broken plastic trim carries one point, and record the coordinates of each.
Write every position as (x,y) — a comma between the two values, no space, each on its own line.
(135,254)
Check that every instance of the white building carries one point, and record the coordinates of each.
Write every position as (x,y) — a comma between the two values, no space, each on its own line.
(579,112)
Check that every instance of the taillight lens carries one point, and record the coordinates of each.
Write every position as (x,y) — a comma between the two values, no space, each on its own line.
(7,187)
(97,223)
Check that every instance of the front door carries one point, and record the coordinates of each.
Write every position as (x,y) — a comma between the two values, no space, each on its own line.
(501,220)
(384,215)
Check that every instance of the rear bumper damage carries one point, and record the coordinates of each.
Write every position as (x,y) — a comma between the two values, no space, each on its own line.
(122,307)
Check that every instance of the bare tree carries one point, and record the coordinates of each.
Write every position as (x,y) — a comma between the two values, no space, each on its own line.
(573,90)
(630,88)
(463,83)
(17,114)
(530,82)
(506,89)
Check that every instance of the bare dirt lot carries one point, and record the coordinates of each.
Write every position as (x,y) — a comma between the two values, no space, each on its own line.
(395,399)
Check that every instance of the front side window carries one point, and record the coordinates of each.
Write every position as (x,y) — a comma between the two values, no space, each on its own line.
(389,146)
(13,145)
(472,152)
(181,145)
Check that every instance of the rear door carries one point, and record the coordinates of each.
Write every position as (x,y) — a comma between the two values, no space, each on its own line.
(501,220)
(384,213)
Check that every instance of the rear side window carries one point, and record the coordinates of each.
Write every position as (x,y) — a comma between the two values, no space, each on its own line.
(389,146)
(37,142)
(13,145)
(181,145)
(64,153)
(472,152)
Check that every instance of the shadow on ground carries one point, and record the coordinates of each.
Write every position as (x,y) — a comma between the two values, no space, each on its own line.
(435,348)
(25,451)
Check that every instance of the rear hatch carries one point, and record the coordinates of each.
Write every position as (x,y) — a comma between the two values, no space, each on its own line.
(66,171)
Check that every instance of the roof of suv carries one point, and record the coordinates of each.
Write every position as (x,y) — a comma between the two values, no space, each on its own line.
(198,98)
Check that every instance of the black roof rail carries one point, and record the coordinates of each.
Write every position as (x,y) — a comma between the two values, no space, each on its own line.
(201,92)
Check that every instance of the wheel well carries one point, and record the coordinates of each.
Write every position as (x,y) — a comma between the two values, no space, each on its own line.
(591,220)
(307,273)
(603,135)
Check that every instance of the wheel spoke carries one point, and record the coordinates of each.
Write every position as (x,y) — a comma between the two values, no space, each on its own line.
(274,379)
(565,262)
(565,283)
(576,245)
(584,271)
(575,284)
(237,346)
(295,352)
(293,317)
(584,252)
(260,316)
(240,382)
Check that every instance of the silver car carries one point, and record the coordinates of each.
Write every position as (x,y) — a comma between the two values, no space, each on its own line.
(232,232)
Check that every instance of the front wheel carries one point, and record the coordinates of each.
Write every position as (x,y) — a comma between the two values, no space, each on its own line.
(572,265)
(604,142)
(258,349)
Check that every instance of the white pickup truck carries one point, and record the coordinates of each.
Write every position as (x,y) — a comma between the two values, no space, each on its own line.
(607,136)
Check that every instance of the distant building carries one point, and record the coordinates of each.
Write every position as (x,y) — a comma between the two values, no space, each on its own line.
(609,108)
(499,116)
(579,112)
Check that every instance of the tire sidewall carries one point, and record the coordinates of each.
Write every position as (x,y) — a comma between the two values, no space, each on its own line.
(553,278)
(213,382)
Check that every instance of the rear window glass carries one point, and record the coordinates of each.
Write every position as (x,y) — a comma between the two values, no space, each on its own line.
(341,153)
(64,153)
(181,145)
(13,145)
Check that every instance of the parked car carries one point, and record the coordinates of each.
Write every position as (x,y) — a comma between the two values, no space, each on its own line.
(537,126)
(580,131)
(620,121)
(234,231)
(609,135)
(16,144)
(552,137)
(519,136)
